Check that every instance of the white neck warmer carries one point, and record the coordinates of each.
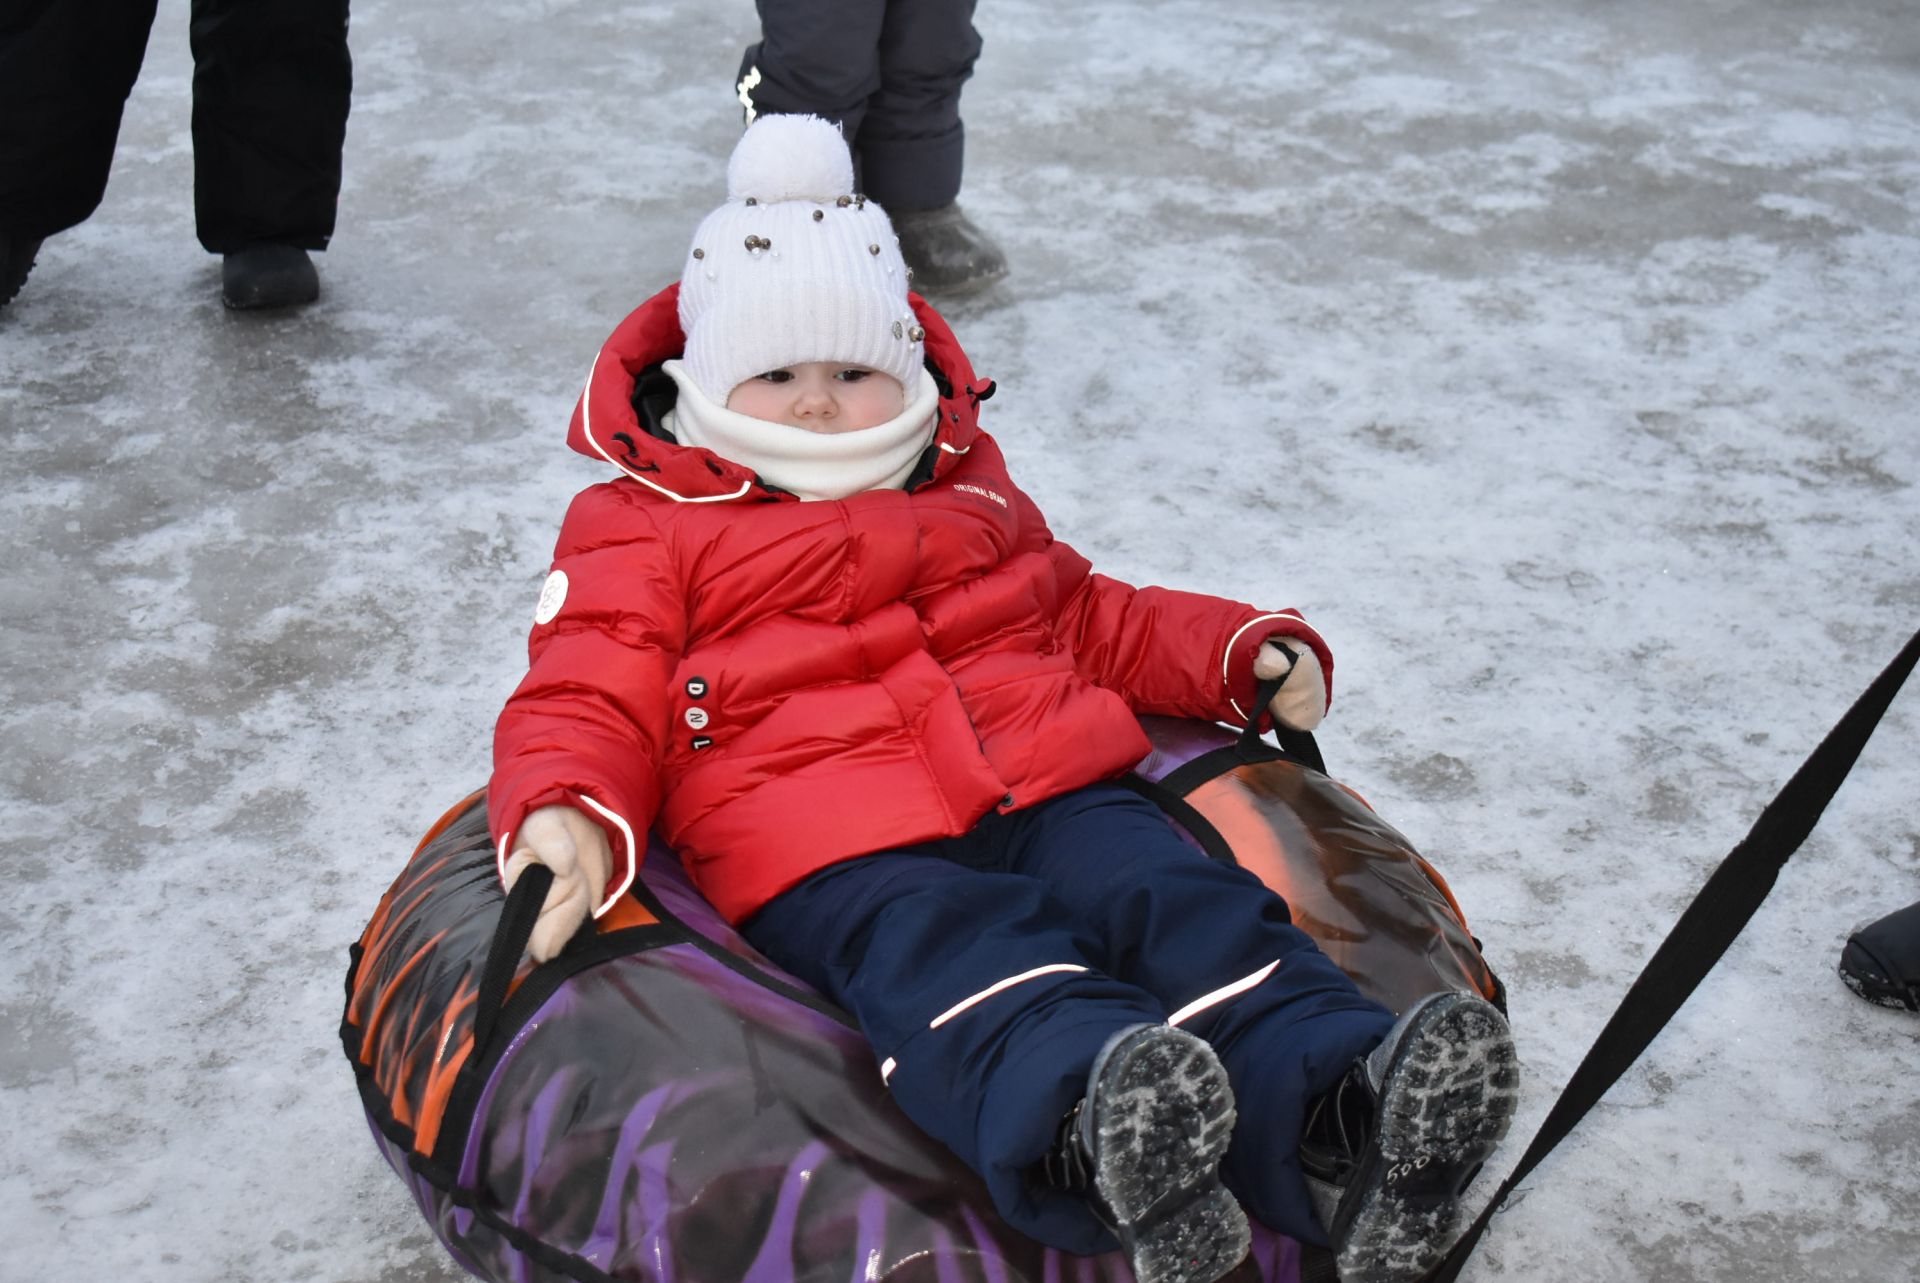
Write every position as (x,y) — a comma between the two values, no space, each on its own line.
(812,465)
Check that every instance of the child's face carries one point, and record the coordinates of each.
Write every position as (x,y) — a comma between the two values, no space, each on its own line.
(821,396)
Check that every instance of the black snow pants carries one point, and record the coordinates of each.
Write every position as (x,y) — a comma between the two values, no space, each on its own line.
(888,72)
(271,83)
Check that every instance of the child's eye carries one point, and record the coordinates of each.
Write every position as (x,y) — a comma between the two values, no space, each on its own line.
(853,374)
(777,376)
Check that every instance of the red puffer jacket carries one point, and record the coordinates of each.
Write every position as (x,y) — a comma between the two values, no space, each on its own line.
(782,685)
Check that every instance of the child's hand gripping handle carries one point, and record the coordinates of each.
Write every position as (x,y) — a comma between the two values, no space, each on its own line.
(1298,695)
(574,849)
(1293,688)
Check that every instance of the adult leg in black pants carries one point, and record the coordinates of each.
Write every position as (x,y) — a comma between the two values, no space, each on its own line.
(66,67)
(889,73)
(271,85)
(271,89)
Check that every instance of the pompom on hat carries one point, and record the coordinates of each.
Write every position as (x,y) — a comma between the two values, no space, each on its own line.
(794,267)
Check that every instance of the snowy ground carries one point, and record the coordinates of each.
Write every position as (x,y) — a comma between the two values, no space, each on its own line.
(1562,361)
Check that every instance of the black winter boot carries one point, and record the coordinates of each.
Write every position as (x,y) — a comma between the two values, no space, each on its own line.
(1881,962)
(1389,1150)
(946,252)
(1144,1146)
(16,260)
(268,275)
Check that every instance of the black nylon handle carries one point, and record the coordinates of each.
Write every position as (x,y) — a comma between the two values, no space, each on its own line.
(517,918)
(1298,745)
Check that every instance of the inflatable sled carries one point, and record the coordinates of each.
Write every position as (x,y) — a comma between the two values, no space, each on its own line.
(661,1103)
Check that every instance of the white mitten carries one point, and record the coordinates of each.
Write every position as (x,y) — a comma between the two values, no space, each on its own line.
(575,848)
(1301,700)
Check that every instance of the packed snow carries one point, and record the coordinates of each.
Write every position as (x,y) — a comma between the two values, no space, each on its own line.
(1561,361)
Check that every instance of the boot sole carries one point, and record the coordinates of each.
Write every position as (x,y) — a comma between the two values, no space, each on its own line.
(1445,1102)
(1162,1116)
(267,298)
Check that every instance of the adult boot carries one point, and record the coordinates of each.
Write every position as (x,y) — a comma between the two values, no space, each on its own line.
(268,275)
(946,252)
(1881,962)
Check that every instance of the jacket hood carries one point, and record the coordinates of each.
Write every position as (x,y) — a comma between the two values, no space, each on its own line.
(606,427)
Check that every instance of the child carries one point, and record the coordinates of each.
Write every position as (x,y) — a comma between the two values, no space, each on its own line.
(816,636)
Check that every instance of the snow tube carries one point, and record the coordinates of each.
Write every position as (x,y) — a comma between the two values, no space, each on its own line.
(661,1103)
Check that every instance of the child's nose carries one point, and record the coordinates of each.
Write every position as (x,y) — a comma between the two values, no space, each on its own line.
(815,402)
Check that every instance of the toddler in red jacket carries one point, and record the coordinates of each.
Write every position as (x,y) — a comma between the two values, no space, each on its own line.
(814,635)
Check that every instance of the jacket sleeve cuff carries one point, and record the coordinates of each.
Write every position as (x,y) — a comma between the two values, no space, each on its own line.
(1236,665)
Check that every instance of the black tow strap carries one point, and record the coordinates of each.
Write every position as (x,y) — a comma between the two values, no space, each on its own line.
(1718,913)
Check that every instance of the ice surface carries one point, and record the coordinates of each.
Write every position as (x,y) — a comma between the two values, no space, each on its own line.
(1562,361)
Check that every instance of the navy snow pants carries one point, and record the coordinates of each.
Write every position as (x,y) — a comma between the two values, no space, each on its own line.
(271,84)
(888,72)
(988,970)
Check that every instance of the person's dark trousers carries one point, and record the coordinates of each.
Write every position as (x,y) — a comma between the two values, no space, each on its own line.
(272,82)
(888,72)
(66,67)
(988,971)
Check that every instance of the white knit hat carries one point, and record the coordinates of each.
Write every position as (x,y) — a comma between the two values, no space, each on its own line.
(795,267)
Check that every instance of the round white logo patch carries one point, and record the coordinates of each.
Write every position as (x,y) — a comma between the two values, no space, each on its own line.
(553,595)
